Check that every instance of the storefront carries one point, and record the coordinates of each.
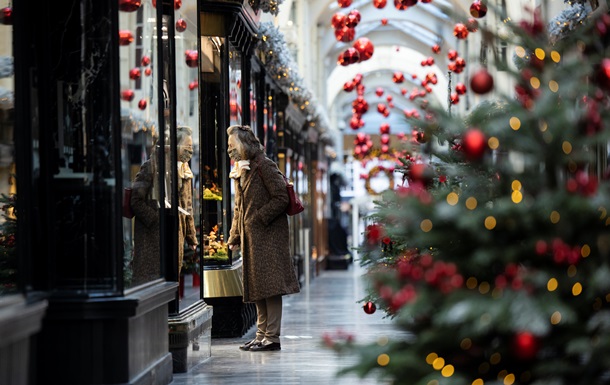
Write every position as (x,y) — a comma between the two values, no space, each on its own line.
(124,197)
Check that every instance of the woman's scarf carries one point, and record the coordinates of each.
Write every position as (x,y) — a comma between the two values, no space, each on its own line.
(239,168)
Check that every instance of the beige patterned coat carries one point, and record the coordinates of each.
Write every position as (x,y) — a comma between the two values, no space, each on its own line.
(146,258)
(260,227)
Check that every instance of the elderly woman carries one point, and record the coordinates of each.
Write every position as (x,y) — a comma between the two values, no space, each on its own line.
(145,205)
(260,228)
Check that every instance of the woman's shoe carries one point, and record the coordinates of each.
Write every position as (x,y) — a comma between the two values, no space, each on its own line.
(265,347)
(249,344)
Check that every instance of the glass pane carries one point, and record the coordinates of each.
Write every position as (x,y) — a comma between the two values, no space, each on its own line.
(188,134)
(139,73)
(235,105)
(253,109)
(8,191)
(213,125)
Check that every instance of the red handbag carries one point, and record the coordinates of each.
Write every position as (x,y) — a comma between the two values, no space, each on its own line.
(295,205)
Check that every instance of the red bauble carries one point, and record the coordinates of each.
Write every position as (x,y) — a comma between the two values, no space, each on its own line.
(421,173)
(147,71)
(454,97)
(125,37)
(452,54)
(478,9)
(460,31)
(404,4)
(348,86)
(384,21)
(460,88)
(338,20)
(355,123)
(128,95)
(525,345)
(365,48)
(142,104)
(135,73)
(345,34)
(360,106)
(472,25)
(194,84)
(369,307)
(381,108)
(191,57)
(351,20)
(474,143)
(145,61)
(349,56)
(355,13)
(481,82)
(344,3)
(384,128)
(379,91)
(129,5)
(385,139)
(380,3)
(603,73)
(180,25)
(398,77)
(436,48)
(6,16)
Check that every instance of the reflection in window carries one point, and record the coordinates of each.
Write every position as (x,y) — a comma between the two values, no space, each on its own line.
(8,191)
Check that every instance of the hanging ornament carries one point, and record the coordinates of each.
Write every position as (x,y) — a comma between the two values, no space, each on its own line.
(180,25)
(452,54)
(348,86)
(338,20)
(460,88)
(191,58)
(481,82)
(351,20)
(478,9)
(129,5)
(125,37)
(135,73)
(355,123)
(384,128)
(454,97)
(128,95)
(403,91)
(384,21)
(6,16)
(474,144)
(384,139)
(194,84)
(365,48)
(603,73)
(420,173)
(145,61)
(345,34)
(380,4)
(400,5)
(460,31)
(349,56)
(379,91)
(142,104)
(147,71)
(389,98)
(525,345)
(398,77)
(436,48)
(344,3)
(426,1)
(472,25)
(381,108)
(360,105)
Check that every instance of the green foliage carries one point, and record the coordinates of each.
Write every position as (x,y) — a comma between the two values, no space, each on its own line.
(498,271)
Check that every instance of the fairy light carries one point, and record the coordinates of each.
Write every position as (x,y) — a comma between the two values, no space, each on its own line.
(555,217)
(493,143)
(478,381)
(566,147)
(585,251)
(577,289)
(572,271)
(490,223)
(555,56)
(448,371)
(516,196)
(431,357)
(466,344)
(552,284)
(535,82)
(520,51)
(556,318)
(471,283)
(553,86)
(383,359)
(439,363)
(509,379)
(471,203)
(515,123)
(495,358)
(484,288)
(426,225)
(452,198)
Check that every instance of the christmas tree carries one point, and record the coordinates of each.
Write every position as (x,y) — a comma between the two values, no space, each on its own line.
(494,255)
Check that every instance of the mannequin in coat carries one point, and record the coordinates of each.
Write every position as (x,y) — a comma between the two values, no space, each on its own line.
(260,229)
(145,205)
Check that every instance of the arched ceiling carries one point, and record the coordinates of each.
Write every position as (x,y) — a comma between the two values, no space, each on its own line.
(401,44)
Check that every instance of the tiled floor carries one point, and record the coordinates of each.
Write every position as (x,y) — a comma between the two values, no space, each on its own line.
(329,305)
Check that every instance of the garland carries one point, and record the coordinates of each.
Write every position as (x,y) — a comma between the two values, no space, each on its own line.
(281,66)
(267,6)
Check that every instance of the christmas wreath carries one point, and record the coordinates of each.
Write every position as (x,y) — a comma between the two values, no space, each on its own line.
(373,172)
